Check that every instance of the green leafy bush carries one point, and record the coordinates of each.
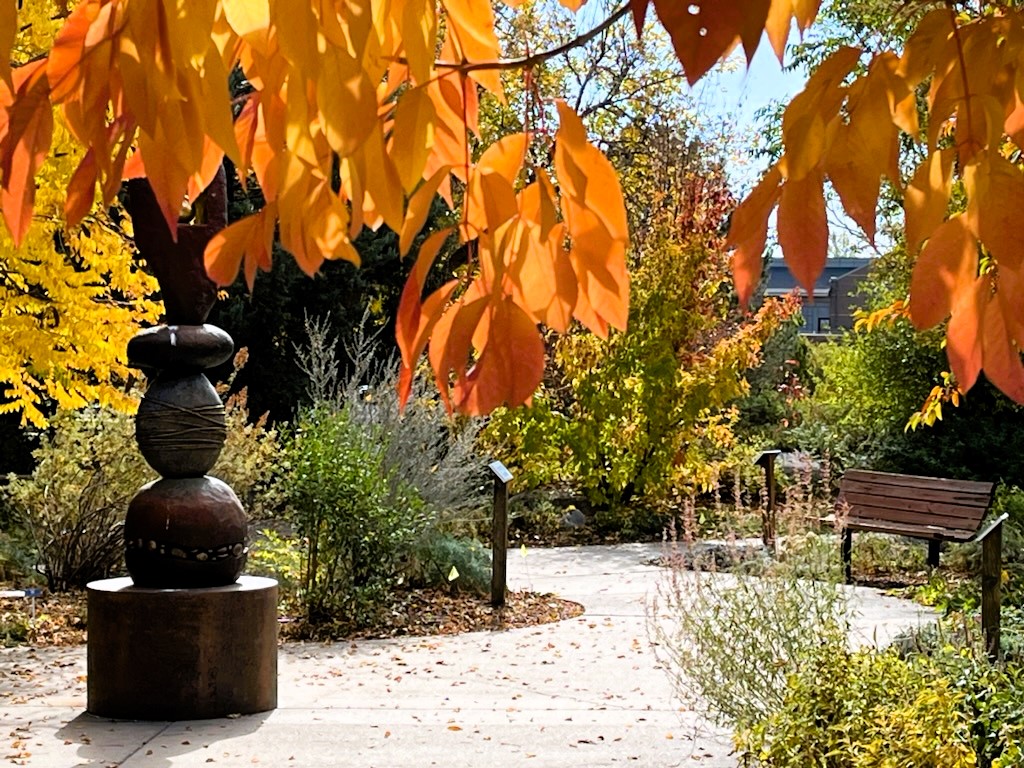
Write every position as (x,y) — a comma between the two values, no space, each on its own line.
(14,629)
(375,492)
(278,556)
(990,693)
(356,517)
(73,504)
(862,709)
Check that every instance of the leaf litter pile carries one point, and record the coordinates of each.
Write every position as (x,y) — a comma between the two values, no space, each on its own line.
(61,619)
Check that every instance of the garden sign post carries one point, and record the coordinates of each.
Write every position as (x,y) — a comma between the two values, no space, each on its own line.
(766,459)
(499,533)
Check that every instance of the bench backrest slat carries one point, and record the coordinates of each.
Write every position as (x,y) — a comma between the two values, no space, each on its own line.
(865,507)
(913,500)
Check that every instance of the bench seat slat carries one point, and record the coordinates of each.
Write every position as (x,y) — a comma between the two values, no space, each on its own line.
(970,487)
(863,505)
(936,533)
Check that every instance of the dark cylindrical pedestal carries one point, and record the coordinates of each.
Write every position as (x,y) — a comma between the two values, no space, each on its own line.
(182,654)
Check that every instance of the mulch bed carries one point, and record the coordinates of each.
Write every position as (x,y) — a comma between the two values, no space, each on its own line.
(61,619)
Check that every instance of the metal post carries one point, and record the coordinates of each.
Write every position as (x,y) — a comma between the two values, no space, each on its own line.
(499,533)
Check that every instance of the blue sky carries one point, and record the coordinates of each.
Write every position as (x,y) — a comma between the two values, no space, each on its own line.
(729,98)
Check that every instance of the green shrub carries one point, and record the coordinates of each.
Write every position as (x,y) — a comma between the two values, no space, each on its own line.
(862,709)
(278,556)
(73,504)
(14,629)
(250,460)
(421,445)
(730,644)
(435,556)
(357,519)
(990,693)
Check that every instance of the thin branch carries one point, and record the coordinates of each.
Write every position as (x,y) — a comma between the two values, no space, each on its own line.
(533,59)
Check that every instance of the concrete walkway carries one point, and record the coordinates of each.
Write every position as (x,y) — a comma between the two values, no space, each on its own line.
(584,692)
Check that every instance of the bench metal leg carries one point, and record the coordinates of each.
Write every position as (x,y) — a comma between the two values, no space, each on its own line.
(847,552)
(934,547)
(991,589)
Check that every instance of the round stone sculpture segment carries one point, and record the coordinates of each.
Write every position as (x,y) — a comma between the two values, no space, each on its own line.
(186,348)
(180,425)
(185,532)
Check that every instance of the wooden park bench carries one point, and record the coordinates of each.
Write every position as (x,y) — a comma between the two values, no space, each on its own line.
(934,509)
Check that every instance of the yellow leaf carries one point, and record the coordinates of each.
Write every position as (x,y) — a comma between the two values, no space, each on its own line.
(472,22)
(920,52)
(295,30)
(413,135)
(419,33)
(855,179)
(381,181)
(347,101)
(927,197)
(249,19)
(453,574)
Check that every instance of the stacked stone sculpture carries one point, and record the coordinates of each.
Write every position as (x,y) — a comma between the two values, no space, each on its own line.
(186,637)
(186,529)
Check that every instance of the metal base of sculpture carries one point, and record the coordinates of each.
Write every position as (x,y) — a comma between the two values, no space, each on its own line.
(182,654)
(184,638)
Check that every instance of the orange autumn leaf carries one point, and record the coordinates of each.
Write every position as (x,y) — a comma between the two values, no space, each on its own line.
(705,31)
(250,239)
(8,30)
(451,343)
(411,322)
(25,144)
(803,228)
(545,281)
(81,190)
(748,233)
(412,136)
(510,366)
(1001,355)
(419,208)
(472,25)
(945,271)
(595,216)
(963,334)
(638,9)
(995,196)
(703,37)
(927,197)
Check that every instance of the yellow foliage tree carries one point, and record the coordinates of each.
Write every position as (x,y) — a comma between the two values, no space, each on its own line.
(70,297)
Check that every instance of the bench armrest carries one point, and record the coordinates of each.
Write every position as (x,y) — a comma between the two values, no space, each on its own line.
(980,536)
